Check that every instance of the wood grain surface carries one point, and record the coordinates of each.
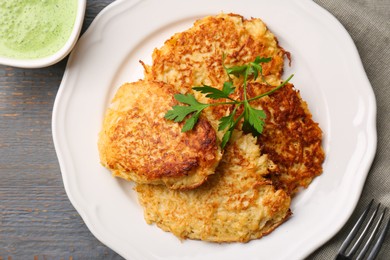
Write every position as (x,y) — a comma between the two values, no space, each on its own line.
(37,221)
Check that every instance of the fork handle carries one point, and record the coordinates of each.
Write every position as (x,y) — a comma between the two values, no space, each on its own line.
(341,257)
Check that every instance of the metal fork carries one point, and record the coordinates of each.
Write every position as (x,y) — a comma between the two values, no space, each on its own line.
(372,244)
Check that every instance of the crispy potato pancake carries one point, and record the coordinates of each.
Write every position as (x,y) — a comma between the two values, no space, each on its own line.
(290,138)
(235,204)
(137,143)
(195,56)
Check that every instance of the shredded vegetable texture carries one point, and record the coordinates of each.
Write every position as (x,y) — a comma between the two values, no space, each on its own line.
(253,118)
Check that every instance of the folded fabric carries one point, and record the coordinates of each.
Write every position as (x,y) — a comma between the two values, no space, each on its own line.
(368,23)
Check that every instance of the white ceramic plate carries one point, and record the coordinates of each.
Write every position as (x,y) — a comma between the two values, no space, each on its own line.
(328,72)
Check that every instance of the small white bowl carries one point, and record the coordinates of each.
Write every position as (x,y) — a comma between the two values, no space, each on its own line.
(60,54)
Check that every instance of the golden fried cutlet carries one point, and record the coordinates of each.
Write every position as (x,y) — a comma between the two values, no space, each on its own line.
(235,204)
(137,143)
(290,137)
(194,57)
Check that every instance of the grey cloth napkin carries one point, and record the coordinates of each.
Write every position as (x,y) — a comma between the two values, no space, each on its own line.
(368,23)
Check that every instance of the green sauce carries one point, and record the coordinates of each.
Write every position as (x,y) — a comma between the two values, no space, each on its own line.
(32,29)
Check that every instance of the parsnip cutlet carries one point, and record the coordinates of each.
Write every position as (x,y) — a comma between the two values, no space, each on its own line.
(137,143)
(235,204)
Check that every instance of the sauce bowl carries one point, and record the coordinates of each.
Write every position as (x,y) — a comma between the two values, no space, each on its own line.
(56,56)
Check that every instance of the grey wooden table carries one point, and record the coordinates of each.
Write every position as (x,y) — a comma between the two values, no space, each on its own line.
(37,221)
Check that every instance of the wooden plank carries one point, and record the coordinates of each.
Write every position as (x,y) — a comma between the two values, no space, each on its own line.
(37,221)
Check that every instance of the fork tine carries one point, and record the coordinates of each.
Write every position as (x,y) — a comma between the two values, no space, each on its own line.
(373,233)
(376,248)
(363,233)
(355,229)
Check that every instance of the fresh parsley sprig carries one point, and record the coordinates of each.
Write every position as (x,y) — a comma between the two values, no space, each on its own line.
(179,113)
(253,118)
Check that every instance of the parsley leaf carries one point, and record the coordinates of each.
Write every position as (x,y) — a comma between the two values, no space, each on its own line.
(226,122)
(253,120)
(226,138)
(252,68)
(236,70)
(259,60)
(215,93)
(179,113)
(190,123)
